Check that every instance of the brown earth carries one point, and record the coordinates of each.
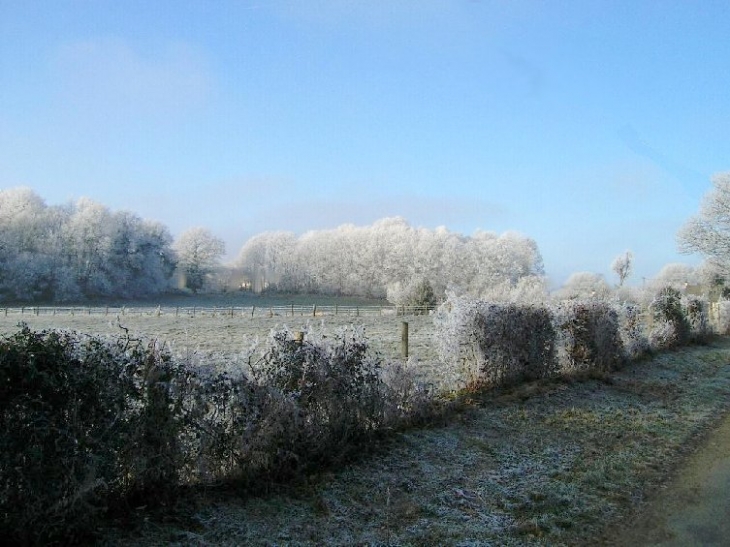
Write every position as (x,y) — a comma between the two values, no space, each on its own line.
(693,508)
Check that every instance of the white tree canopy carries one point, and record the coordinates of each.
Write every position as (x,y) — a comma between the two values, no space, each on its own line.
(582,285)
(198,253)
(708,232)
(78,250)
(391,253)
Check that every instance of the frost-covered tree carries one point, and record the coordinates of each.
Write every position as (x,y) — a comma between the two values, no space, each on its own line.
(418,294)
(26,259)
(584,285)
(367,260)
(78,250)
(708,232)
(198,253)
(622,266)
(675,275)
(268,260)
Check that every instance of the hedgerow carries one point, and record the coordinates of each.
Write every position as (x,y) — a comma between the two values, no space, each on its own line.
(671,328)
(632,328)
(84,423)
(91,425)
(493,344)
(589,336)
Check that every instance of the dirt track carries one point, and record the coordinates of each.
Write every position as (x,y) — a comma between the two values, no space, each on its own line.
(694,507)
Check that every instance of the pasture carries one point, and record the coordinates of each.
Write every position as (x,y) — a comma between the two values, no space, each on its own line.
(224,327)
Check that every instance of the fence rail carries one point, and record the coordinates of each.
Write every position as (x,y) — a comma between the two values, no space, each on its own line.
(292,310)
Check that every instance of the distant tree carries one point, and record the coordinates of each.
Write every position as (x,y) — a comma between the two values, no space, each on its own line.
(675,275)
(198,253)
(708,232)
(418,294)
(78,250)
(582,285)
(622,266)
(368,260)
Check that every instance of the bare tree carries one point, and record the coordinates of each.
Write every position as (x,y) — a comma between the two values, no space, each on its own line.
(622,266)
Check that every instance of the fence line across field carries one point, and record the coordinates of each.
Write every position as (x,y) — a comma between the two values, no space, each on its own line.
(292,310)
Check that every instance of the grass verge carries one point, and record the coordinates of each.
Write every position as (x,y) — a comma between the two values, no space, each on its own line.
(554,462)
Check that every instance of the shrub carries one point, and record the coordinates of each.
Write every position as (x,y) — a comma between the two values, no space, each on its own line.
(722,316)
(698,319)
(334,384)
(589,336)
(239,430)
(671,327)
(90,424)
(83,423)
(496,343)
(633,331)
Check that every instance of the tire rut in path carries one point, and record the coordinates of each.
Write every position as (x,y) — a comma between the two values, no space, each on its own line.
(694,507)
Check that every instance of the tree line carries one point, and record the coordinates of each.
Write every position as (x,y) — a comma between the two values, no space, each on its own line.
(386,258)
(84,250)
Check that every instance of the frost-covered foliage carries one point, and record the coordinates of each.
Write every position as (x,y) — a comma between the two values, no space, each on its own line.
(335,385)
(633,330)
(708,232)
(367,260)
(589,336)
(89,424)
(583,286)
(84,423)
(531,289)
(722,316)
(622,266)
(198,253)
(671,327)
(418,295)
(698,317)
(79,250)
(675,275)
(484,343)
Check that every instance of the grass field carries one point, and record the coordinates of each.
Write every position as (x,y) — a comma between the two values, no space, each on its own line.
(214,330)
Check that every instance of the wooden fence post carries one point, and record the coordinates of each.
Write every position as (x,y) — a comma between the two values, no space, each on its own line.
(404,339)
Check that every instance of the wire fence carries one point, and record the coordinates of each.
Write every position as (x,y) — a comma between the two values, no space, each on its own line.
(293,310)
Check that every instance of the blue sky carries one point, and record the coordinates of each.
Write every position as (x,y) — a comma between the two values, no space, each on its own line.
(593,127)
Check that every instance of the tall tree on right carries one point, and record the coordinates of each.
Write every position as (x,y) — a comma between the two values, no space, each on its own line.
(708,232)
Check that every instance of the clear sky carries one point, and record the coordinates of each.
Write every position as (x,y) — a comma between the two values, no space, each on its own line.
(591,126)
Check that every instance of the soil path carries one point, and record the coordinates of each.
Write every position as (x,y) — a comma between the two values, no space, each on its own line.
(694,507)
